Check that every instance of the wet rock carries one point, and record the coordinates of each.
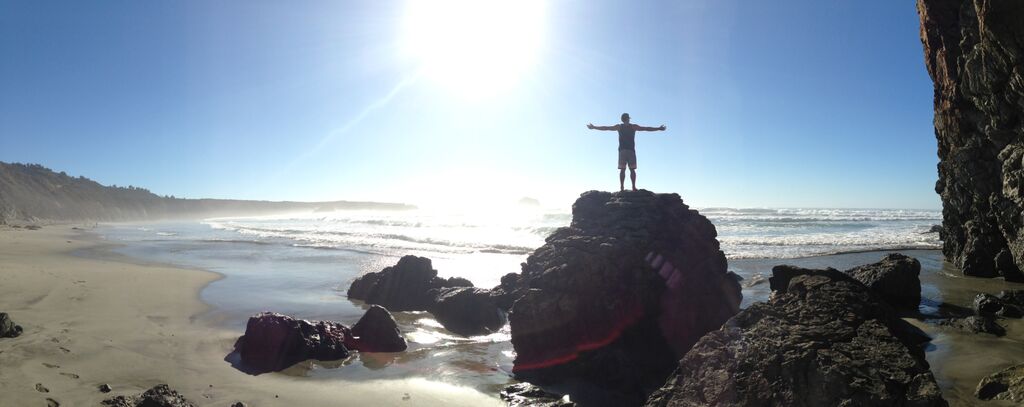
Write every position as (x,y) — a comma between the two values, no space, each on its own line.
(238,404)
(468,311)
(934,229)
(1007,384)
(8,329)
(976,324)
(377,331)
(822,339)
(506,293)
(104,388)
(274,342)
(610,302)
(895,279)
(973,53)
(987,304)
(158,396)
(406,286)
(1012,297)
(528,395)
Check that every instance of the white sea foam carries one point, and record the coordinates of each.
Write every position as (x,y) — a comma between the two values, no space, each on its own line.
(743,233)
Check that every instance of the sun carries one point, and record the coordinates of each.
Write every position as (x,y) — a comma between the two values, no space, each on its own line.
(474,47)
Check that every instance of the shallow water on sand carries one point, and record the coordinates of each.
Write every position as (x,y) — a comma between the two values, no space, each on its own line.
(310,283)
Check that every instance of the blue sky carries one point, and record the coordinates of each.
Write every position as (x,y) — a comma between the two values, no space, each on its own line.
(768,104)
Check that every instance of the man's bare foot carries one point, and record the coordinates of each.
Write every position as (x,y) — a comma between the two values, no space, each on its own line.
(634,189)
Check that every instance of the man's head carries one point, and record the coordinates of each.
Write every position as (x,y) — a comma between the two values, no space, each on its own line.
(625,117)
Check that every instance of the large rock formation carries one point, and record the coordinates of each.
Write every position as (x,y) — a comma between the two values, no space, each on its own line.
(822,339)
(468,311)
(974,53)
(612,301)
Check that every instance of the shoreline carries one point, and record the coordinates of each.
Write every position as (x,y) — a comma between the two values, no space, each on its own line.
(106,319)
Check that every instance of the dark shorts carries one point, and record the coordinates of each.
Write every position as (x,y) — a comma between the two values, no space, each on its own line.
(627,157)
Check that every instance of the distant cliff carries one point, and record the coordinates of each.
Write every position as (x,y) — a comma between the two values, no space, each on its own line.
(974,51)
(33,193)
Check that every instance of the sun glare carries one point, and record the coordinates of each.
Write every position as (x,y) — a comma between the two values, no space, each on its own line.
(474,47)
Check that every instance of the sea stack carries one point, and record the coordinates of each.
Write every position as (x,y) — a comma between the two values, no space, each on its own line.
(973,51)
(610,303)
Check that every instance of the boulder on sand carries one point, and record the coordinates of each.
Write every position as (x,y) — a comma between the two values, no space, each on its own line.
(613,300)
(895,279)
(406,286)
(822,339)
(377,331)
(8,329)
(274,342)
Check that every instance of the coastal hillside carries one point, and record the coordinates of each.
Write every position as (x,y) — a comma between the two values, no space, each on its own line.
(33,193)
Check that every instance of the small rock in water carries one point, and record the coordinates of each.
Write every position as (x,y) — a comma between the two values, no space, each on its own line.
(238,404)
(976,325)
(987,304)
(105,388)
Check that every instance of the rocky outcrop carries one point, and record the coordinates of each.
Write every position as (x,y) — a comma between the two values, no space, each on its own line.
(895,279)
(274,342)
(407,286)
(158,396)
(468,311)
(413,285)
(377,331)
(822,339)
(8,329)
(974,53)
(1007,384)
(614,299)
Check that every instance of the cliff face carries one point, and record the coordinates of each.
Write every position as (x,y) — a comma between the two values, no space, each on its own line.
(974,51)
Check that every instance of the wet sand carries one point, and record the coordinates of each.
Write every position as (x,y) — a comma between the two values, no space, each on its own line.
(105,319)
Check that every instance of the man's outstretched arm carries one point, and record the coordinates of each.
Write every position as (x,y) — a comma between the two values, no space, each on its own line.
(593,127)
(660,128)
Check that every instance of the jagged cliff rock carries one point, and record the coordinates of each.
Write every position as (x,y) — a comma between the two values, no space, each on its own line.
(610,303)
(974,52)
(822,339)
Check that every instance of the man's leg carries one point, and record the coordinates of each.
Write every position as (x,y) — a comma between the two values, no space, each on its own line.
(632,177)
(622,179)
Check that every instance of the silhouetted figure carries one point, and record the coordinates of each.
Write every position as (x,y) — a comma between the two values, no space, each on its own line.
(627,151)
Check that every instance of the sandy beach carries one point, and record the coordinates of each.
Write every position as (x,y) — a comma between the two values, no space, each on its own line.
(105,318)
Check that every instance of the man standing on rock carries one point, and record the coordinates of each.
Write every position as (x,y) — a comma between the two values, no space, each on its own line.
(627,151)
